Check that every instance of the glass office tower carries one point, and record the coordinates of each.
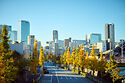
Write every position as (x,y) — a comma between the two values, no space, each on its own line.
(55,35)
(24,31)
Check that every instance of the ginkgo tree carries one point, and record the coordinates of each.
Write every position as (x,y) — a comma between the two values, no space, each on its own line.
(111,66)
(41,57)
(73,58)
(115,75)
(34,59)
(2,79)
(2,65)
(77,57)
(68,58)
(101,65)
(8,72)
(47,58)
(87,61)
(93,60)
(64,58)
(81,56)
(61,59)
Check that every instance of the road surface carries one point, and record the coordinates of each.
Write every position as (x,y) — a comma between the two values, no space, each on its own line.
(59,75)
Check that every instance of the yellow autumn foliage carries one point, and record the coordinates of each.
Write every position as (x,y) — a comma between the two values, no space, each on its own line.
(41,57)
(68,57)
(34,61)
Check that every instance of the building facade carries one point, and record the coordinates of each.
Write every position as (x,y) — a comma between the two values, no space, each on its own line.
(60,43)
(55,35)
(93,38)
(110,34)
(14,36)
(30,43)
(24,31)
(38,46)
(31,39)
(17,46)
(101,46)
(66,43)
(56,49)
(75,43)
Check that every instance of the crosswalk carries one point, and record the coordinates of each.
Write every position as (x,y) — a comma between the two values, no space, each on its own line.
(66,76)
(70,78)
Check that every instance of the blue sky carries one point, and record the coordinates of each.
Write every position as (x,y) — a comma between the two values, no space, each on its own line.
(72,18)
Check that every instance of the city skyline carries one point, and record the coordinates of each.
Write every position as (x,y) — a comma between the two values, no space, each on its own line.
(73,20)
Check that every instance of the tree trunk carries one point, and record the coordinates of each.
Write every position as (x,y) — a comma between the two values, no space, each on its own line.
(101,77)
(82,69)
(93,72)
(74,67)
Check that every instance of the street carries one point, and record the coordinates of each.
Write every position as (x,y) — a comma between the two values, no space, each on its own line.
(59,75)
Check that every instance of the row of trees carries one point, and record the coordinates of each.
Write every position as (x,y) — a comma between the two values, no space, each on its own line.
(12,64)
(82,61)
(36,61)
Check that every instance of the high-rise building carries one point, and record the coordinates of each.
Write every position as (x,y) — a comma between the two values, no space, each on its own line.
(14,35)
(55,35)
(66,42)
(9,30)
(110,34)
(60,43)
(24,31)
(70,39)
(56,49)
(31,39)
(93,38)
(38,45)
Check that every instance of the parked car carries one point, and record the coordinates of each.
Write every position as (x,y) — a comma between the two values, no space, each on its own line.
(46,72)
(44,68)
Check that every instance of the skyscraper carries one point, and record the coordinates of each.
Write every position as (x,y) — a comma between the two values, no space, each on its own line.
(66,42)
(30,41)
(24,31)
(55,35)
(14,35)
(110,34)
(38,45)
(93,38)
(56,48)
